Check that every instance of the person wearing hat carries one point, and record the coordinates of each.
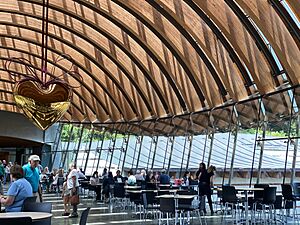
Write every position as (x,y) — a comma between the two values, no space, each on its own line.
(31,174)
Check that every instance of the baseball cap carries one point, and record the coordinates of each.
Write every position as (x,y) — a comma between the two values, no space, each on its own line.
(34,158)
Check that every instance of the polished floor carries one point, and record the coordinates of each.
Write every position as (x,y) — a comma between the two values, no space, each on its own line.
(102,213)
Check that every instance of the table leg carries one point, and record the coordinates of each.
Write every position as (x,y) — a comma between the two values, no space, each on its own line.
(246,207)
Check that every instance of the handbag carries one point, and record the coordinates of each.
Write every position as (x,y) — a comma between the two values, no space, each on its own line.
(74,199)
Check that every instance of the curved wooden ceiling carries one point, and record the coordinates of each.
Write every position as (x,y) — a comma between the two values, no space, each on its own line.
(145,60)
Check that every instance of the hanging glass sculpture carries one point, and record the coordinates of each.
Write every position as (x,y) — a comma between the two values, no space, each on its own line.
(43,97)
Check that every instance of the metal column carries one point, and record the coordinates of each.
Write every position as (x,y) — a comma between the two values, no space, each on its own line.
(233,152)
(210,147)
(89,149)
(262,145)
(295,149)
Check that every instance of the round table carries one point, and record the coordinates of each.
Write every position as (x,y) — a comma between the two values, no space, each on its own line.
(33,215)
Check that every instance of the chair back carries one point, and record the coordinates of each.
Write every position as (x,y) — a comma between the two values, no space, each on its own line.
(135,197)
(229,194)
(296,188)
(269,196)
(258,195)
(119,191)
(84,216)
(184,201)
(150,197)
(139,183)
(287,192)
(28,200)
(16,221)
(164,187)
(278,202)
(37,207)
(163,192)
(167,205)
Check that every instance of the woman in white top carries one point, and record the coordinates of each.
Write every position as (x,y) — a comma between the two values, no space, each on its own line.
(94,179)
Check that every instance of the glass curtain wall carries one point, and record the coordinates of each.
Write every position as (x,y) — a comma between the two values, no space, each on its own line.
(249,142)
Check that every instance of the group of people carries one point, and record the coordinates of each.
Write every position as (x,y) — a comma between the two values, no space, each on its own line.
(203,177)
(26,183)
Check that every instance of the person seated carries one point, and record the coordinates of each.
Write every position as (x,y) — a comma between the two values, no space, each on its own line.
(44,181)
(164,178)
(94,179)
(186,178)
(19,190)
(58,180)
(118,177)
(131,178)
(81,174)
(139,175)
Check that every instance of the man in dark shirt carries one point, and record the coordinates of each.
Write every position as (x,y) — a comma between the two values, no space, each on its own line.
(164,178)
(118,175)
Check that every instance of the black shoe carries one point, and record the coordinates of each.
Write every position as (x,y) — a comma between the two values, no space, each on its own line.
(65,214)
(73,216)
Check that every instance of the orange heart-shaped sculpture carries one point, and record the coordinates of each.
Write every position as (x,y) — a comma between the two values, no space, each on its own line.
(42,105)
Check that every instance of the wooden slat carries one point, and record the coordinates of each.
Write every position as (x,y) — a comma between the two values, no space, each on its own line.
(276,33)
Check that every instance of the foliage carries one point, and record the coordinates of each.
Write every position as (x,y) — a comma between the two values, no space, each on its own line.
(73,133)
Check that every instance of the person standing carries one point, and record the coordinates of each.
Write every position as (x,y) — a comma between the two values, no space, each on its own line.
(205,179)
(7,173)
(186,178)
(31,174)
(73,186)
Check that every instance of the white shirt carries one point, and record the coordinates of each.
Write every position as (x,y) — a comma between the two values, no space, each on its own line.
(73,173)
(131,180)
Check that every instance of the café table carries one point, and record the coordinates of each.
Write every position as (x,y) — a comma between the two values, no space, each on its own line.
(35,216)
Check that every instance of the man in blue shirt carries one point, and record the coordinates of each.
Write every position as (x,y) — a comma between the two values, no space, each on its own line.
(18,191)
(164,178)
(31,174)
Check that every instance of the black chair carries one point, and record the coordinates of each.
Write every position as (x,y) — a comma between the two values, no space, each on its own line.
(289,200)
(267,203)
(259,195)
(119,196)
(167,205)
(16,221)
(39,207)
(185,205)
(136,198)
(84,186)
(296,188)
(28,200)
(84,216)
(230,200)
(149,202)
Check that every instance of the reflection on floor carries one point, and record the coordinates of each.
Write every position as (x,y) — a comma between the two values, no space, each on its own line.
(102,213)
